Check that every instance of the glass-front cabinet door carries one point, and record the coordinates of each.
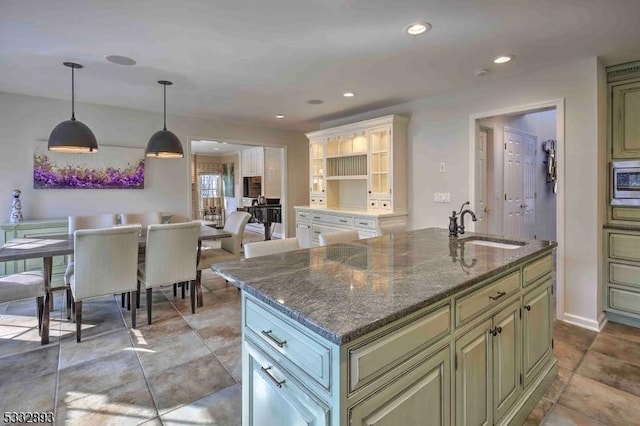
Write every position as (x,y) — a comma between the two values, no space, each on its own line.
(317,166)
(380,161)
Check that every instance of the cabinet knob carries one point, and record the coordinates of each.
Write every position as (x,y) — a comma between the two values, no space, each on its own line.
(528,307)
(369,192)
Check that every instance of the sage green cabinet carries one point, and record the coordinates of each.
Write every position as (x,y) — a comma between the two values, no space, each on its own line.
(275,397)
(419,396)
(488,368)
(35,228)
(537,330)
(622,266)
(625,126)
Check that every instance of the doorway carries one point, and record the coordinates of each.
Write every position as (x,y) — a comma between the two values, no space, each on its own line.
(516,176)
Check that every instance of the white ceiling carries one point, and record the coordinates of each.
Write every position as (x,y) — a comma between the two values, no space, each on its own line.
(215,148)
(248,60)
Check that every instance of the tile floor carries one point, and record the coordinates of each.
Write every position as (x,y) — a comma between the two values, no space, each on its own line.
(184,369)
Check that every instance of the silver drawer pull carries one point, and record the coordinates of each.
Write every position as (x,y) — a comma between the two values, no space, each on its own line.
(363,223)
(498,296)
(278,383)
(317,217)
(343,221)
(280,343)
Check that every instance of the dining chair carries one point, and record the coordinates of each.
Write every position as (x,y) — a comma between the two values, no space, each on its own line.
(170,257)
(392,229)
(263,248)
(24,285)
(106,262)
(144,219)
(338,237)
(230,247)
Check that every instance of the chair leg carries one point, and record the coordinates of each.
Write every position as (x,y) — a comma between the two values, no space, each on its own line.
(128,296)
(122,299)
(183,287)
(69,303)
(175,289)
(193,299)
(77,307)
(44,334)
(133,311)
(198,286)
(40,308)
(149,296)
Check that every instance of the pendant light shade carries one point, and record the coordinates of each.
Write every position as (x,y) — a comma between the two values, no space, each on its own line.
(163,143)
(72,136)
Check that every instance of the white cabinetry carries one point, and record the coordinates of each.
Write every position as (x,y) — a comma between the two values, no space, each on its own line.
(360,165)
(253,162)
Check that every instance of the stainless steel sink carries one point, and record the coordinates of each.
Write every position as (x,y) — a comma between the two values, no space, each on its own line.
(496,243)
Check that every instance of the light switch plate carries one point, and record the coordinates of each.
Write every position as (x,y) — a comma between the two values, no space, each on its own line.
(442,197)
(443,167)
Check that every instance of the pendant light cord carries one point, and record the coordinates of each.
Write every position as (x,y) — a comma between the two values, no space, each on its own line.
(165,107)
(73,109)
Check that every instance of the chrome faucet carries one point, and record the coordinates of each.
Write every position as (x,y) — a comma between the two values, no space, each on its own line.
(454,228)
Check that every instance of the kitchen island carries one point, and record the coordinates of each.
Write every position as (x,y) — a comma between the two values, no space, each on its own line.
(410,328)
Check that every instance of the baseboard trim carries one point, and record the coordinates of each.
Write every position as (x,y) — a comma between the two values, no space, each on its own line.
(585,322)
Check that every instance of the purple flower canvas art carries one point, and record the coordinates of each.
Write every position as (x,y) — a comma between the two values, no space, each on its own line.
(110,168)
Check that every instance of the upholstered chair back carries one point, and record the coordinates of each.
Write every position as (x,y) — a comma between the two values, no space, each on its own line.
(392,229)
(92,222)
(338,237)
(106,261)
(235,224)
(263,248)
(171,253)
(144,219)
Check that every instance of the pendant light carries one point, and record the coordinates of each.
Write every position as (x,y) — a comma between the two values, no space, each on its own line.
(72,136)
(163,143)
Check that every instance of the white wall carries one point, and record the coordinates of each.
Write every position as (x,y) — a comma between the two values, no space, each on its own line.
(25,119)
(439,131)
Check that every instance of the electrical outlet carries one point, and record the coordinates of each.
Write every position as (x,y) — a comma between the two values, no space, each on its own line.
(446,197)
(443,168)
(442,197)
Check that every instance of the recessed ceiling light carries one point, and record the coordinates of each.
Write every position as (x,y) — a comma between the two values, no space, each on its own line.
(279,116)
(348,94)
(417,28)
(120,60)
(315,101)
(481,71)
(503,59)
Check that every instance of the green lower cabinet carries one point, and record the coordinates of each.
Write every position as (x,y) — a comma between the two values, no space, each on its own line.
(537,330)
(274,397)
(421,396)
(488,369)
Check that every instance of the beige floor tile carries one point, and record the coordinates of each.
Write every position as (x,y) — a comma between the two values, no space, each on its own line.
(209,301)
(621,330)
(27,339)
(171,351)
(573,335)
(611,371)
(221,408)
(558,385)
(626,350)
(146,335)
(28,364)
(185,383)
(228,294)
(226,331)
(231,358)
(568,356)
(93,347)
(129,404)
(153,422)
(603,403)
(214,316)
(98,375)
(35,393)
(538,413)
(563,416)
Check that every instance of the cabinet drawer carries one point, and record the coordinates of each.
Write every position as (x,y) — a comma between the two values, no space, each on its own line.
(311,356)
(624,274)
(365,223)
(373,204)
(373,359)
(385,205)
(469,306)
(317,201)
(303,215)
(624,300)
(625,213)
(537,269)
(624,246)
(339,220)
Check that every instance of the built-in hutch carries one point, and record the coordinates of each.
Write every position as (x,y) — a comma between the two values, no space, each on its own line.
(357,178)
(622,232)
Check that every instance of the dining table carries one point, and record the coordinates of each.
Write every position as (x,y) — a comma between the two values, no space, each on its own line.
(46,247)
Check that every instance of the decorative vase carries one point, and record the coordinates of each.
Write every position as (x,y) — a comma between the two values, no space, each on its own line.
(16,207)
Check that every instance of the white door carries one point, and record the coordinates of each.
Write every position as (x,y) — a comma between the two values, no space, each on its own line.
(513,184)
(480,207)
(529,183)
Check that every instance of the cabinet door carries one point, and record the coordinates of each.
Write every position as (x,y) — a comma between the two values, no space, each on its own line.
(257,161)
(474,406)
(272,397)
(246,162)
(506,359)
(537,330)
(303,233)
(420,397)
(380,161)
(316,167)
(625,126)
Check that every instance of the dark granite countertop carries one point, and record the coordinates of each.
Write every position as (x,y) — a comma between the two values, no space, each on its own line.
(344,291)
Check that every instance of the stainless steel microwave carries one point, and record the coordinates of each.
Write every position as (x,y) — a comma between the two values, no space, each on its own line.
(625,182)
